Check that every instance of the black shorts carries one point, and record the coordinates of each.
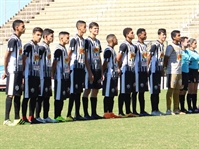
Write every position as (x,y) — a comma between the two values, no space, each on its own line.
(127,82)
(193,76)
(62,89)
(185,78)
(31,86)
(97,83)
(46,87)
(110,86)
(155,82)
(141,81)
(14,84)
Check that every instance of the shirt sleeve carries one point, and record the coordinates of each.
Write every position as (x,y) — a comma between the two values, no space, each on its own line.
(123,48)
(11,44)
(86,45)
(57,55)
(169,50)
(27,50)
(152,50)
(107,55)
(100,47)
(41,51)
(72,44)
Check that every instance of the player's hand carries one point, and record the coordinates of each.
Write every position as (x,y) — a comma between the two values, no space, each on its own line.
(102,77)
(4,75)
(119,71)
(91,77)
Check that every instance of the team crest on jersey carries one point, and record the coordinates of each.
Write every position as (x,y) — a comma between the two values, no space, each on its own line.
(132,56)
(179,56)
(81,51)
(66,60)
(96,49)
(20,51)
(144,55)
(162,55)
(36,57)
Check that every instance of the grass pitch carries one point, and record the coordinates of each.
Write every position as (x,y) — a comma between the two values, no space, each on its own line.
(163,132)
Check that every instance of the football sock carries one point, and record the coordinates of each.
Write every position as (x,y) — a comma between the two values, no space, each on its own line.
(142,101)
(24,106)
(93,105)
(127,103)
(70,104)
(85,105)
(46,106)
(17,106)
(8,107)
(121,100)
(134,101)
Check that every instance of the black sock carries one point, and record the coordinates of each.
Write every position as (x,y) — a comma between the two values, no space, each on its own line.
(189,99)
(46,107)
(111,105)
(17,106)
(134,102)
(194,101)
(142,102)
(157,102)
(24,107)
(106,104)
(153,98)
(127,103)
(70,104)
(38,106)
(61,105)
(32,105)
(56,108)
(121,100)
(77,104)
(93,105)
(182,99)
(8,107)
(85,105)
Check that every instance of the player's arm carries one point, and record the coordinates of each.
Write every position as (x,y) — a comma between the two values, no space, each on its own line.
(69,56)
(151,53)
(168,52)
(122,49)
(57,56)
(101,64)
(107,56)
(27,50)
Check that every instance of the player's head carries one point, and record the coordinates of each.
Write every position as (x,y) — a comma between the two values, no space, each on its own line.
(128,33)
(111,39)
(184,42)
(94,28)
(81,26)
(192,43)
(141,33)
(162,34)
(18,25)
(64,37)
(48,35)
(37,34)
(175,35)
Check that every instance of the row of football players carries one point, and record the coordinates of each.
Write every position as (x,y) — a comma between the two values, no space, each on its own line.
(81,67)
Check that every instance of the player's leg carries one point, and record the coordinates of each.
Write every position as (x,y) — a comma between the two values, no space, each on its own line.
(93,100)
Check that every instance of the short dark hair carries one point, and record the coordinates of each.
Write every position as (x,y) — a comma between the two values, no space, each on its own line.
(174,32)
(47,32)
(16,23)
(37,29)
(63,33)
(92,24)
(162,30)
(183,38)
(140,30)
(126,31)
(79,22)
(110,36)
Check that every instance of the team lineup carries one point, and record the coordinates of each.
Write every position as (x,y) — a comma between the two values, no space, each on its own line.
(80,70)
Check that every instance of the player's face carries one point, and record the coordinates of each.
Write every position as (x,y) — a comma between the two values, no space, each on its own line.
(115,41)
(194,44)
(177,37)
(162,36)
(21,28)
(94,30)
(82,28)
(50,38)
(143,35)
(131,35)
(65,39)
(37,36)
(185,43)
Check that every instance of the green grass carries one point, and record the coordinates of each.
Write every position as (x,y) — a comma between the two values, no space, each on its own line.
(176,132)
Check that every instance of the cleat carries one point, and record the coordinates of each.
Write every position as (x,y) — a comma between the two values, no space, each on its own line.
(190,111)
(35,121)
(7,122)
(144,114)
(135,113)
(19,122)
(79,118)
(196,111)
(123,115)
(178,112)
(160,113)
(60,119)
(69,119)
(154,113)
(169,112)
(40,120)
(131,115)
(184,110)
(96,117)
(107,115)
(49,120)
(114,116)
(87,117)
